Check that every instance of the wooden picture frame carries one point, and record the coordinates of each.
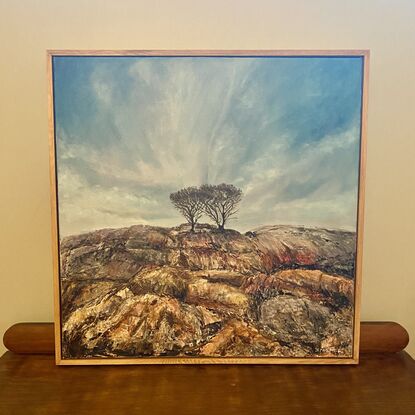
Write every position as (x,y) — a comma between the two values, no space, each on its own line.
(169,357)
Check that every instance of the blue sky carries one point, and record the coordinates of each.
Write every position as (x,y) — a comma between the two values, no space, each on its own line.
(131,130)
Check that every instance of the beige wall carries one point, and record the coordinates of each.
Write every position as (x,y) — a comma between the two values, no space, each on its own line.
(28,28)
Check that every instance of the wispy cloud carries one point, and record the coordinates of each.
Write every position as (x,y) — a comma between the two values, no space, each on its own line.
(132,130)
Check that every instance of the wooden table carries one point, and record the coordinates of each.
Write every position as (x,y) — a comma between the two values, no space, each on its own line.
(383,383)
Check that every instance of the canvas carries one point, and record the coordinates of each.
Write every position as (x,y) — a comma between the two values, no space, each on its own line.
(207,206)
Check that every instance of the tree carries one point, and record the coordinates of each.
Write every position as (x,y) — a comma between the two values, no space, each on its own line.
(220,202)
(189,202)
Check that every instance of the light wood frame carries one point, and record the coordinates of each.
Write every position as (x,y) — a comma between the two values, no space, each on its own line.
(364,54)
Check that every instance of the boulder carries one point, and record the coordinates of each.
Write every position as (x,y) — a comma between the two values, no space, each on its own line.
(308,324)
(238,338)
(145,325)
(332,290)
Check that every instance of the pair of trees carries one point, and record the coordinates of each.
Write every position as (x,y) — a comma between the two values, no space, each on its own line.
(218,202)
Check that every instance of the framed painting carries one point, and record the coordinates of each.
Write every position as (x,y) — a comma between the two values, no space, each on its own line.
(207,206)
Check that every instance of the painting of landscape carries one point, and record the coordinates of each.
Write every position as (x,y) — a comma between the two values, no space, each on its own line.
(207,206)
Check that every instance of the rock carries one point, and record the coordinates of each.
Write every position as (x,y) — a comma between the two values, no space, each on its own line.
(97,262)
(128,325)
(76,294)
(120,253)
(153,291)
(235,279)
(213,250)
(332,251)
(157,326)
(334,291)
(113,253)
(219,297)
(238,338)
(163,281)
(303,322)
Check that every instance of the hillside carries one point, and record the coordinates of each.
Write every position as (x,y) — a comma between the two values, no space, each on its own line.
(150,291)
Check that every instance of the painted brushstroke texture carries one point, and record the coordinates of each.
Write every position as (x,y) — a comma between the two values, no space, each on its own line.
(150,291)
(132,130)
(279,279)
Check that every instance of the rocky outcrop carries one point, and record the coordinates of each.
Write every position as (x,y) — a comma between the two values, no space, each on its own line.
(332,251)
(164,281)
(128,325)
(151,291)
(332,290)
(217,296)
(238,338)
(294,320)
(120,253)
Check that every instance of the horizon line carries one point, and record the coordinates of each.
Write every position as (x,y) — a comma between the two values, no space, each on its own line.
(327,228)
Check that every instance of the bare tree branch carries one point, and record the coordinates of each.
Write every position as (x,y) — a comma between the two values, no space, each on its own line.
(189,203)
(220,202)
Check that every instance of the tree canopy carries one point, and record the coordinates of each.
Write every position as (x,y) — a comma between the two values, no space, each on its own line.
(218,202)
(189,203)
(221,202)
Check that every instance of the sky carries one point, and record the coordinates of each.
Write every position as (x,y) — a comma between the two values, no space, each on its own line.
(131,130)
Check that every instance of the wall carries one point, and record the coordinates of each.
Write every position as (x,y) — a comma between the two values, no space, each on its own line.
(28,28)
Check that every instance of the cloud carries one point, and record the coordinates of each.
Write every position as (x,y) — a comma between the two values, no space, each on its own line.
(132,130)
